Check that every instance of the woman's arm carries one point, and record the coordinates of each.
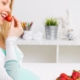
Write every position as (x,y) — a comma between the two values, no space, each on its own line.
(11,62)
(3,74)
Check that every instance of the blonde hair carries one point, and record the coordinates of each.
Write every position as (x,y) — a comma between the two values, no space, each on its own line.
(4,28)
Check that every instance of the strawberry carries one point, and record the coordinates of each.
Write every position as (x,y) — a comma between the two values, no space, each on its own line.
(79,73)
(75,75)
(69,78)
(63,75)
(8,18)
(62,78)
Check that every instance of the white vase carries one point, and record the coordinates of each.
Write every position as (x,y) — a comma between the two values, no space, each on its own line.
(27,35)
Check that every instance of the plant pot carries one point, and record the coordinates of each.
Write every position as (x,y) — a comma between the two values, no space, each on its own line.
(51,32)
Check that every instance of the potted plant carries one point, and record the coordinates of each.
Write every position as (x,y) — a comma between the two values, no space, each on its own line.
(51,28)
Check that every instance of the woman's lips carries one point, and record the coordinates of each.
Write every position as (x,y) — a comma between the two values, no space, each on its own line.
(2,16)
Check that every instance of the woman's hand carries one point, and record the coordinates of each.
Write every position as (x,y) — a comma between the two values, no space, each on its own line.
(15,28)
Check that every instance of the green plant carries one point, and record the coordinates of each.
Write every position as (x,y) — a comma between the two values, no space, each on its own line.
(51,22)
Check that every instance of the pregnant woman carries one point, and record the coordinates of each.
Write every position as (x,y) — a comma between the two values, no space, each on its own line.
(10,55)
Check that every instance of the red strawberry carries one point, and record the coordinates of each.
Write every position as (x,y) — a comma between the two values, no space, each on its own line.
(75,75)
(62,78)
(8,18)
(78,73)
(69,78)
(63,75)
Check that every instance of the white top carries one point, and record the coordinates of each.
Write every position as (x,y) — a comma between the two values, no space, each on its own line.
(8,59)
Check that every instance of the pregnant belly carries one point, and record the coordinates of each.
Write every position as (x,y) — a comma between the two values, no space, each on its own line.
(28,75)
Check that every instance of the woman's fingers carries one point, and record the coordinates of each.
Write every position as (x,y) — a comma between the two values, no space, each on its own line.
(12,23)
(17,22)
(15,28)
(18,25)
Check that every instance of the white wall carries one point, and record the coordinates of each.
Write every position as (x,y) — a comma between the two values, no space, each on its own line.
(38,10)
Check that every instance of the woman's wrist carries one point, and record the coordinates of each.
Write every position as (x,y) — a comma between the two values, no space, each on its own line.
(11,39)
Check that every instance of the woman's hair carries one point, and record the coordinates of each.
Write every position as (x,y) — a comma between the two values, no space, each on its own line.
(4,28)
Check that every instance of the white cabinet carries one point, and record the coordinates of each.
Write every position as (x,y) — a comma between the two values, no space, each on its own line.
(47,51)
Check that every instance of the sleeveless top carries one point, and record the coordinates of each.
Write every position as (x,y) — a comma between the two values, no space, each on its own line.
(24,73)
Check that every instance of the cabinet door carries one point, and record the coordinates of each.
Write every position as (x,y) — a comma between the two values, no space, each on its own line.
(69,54)
(39,53)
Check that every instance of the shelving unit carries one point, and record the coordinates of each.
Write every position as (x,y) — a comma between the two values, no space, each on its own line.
(50,51)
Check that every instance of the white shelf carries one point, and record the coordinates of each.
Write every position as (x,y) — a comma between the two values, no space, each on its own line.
(36,42)
(48,42)
(54,51)
(66,42)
